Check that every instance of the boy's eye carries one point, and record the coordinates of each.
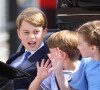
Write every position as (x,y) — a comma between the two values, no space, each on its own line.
(35,32)
(26,32)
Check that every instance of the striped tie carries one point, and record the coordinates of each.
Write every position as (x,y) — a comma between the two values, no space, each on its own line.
(25,58)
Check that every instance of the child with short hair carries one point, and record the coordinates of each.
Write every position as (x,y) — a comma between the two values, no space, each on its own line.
(32,28)
(67,41)
(87,76)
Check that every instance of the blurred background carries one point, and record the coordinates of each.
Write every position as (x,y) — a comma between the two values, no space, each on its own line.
(61,14)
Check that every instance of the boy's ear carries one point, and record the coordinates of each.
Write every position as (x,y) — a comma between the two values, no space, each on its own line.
(65,55)
(45,32)
(18,32)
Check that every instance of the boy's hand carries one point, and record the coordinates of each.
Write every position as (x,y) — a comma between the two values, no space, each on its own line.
(57,59)
(42,71)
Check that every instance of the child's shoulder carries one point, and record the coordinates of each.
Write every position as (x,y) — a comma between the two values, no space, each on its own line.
(86,60)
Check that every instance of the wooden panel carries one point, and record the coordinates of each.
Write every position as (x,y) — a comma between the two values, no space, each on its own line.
(78,14)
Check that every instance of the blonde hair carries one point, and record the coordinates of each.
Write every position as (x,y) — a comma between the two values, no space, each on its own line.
(34,16)
(67,41)
(91,32)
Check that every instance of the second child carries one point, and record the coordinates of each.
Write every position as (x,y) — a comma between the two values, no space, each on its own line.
(67,42)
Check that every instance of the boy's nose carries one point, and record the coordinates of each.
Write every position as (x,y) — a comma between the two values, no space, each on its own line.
(32,35)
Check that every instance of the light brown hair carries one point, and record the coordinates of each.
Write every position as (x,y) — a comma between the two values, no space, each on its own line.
(34,16)
(67,41)
(91,32)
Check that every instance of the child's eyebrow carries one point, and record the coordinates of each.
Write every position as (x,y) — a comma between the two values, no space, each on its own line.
(35,29)
(25,30)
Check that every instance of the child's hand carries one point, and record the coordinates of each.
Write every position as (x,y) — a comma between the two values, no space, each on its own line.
(42,71)
(57,59)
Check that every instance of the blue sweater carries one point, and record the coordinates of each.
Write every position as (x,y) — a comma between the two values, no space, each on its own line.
(88,75)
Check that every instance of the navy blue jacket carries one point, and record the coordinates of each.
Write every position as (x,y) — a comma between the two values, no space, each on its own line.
(29,66)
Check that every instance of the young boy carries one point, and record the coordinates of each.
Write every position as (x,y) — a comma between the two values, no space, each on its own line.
(67,42)
(32,28)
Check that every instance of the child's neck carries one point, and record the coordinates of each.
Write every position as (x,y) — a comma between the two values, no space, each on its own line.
(71,65)
(96,56)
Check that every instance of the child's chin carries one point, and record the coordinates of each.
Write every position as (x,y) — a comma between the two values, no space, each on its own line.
(32,49)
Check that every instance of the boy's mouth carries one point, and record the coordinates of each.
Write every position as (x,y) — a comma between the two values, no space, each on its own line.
(31,43)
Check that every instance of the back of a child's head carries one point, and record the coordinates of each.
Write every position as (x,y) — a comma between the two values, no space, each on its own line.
(66,41)
(33,16)
(91,32)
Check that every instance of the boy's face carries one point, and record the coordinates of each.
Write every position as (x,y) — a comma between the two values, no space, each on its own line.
(31,36)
